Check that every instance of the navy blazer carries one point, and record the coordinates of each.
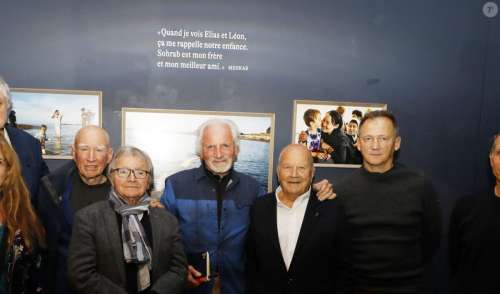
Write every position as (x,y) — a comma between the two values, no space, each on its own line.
(321,261)
(52,188)
(29,152)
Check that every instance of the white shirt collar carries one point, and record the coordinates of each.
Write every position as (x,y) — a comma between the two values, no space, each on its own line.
(300,199)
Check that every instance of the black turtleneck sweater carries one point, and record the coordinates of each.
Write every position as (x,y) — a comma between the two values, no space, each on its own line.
(395,223)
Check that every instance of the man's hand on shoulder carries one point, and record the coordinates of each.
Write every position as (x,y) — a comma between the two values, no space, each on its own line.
(324,190)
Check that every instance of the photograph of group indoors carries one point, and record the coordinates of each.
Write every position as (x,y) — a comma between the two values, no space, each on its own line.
(329,130)
(54,116)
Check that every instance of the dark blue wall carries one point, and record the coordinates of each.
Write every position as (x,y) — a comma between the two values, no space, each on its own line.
(435,63)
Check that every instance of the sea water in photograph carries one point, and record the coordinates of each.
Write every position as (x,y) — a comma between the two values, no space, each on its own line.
(176,153)
(59,112)
(53,145)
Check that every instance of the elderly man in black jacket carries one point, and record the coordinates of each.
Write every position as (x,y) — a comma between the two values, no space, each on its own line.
(296,244)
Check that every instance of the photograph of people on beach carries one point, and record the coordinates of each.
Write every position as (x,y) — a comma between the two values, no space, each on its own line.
(329,129)
(168,136)
(54,116)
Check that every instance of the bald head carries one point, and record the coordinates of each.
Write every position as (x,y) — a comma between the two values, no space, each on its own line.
(92,133)
(92,153)
(297,149)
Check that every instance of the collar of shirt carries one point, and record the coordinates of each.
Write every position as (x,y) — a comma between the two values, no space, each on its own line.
(298,202)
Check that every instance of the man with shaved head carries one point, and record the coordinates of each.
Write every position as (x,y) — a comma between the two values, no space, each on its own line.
(68,189)
(296,243)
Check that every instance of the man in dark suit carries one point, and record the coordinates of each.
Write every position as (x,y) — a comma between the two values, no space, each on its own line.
(296,244)
(26,146)
(354,156)
(68,189)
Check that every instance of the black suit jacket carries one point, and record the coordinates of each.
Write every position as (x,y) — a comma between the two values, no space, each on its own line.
(354,156)
(28,149)
(96,263)
(321,259)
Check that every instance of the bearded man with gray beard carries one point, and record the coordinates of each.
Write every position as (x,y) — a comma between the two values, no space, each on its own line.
(212,203)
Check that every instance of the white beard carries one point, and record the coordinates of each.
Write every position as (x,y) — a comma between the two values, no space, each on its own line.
(220,168)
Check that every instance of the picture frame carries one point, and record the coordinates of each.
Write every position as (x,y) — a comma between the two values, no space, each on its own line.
(168,136)
(35,109)
(323,155)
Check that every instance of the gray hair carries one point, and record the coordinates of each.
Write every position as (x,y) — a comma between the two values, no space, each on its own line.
(134,152)
(5,92)
(235,132)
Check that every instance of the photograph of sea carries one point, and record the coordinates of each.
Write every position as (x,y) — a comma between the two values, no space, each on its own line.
(169,138)
(55,117)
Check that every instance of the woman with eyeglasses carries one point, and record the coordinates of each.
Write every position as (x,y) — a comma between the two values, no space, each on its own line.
(123,245)
(21,233)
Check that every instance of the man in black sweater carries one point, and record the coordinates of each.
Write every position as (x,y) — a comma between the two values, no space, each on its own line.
(474,236)
(393,213)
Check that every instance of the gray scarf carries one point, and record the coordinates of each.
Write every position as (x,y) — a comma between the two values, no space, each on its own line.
(135,248)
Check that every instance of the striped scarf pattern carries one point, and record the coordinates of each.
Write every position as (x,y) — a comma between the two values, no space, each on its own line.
(135,248)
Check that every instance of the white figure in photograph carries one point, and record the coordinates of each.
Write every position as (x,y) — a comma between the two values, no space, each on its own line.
(57,117)
(86,117)
(90,116)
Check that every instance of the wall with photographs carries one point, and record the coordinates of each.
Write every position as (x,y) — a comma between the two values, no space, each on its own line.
(434,63)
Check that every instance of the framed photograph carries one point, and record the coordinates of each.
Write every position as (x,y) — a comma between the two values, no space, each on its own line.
(54,116)
(168,136)
(329,129)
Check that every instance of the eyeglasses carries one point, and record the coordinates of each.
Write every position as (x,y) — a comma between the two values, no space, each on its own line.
(124,172)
